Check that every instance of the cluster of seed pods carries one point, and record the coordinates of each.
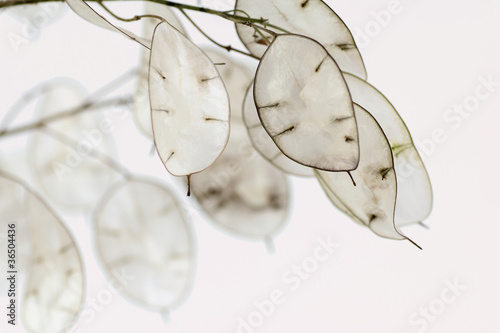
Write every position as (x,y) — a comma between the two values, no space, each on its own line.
(234,134)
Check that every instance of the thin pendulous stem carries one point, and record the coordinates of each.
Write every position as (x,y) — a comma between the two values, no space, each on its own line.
(89,106)
(263,23)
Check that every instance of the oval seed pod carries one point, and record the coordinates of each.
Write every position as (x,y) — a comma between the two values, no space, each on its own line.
(304,104)
(149,24)
(140,230)
(414,200)
(241,192)
(189,103)
(311,18)
(264,144)
(372,201)
(236,76)
(47,259)
(142,110)
(69,175)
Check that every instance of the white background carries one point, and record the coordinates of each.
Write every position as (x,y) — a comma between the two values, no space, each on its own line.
(429,57)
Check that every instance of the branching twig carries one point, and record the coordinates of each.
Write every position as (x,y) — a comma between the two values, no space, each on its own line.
(260,22)
(16,110)
(87,106)
(133,19)
(226,47)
